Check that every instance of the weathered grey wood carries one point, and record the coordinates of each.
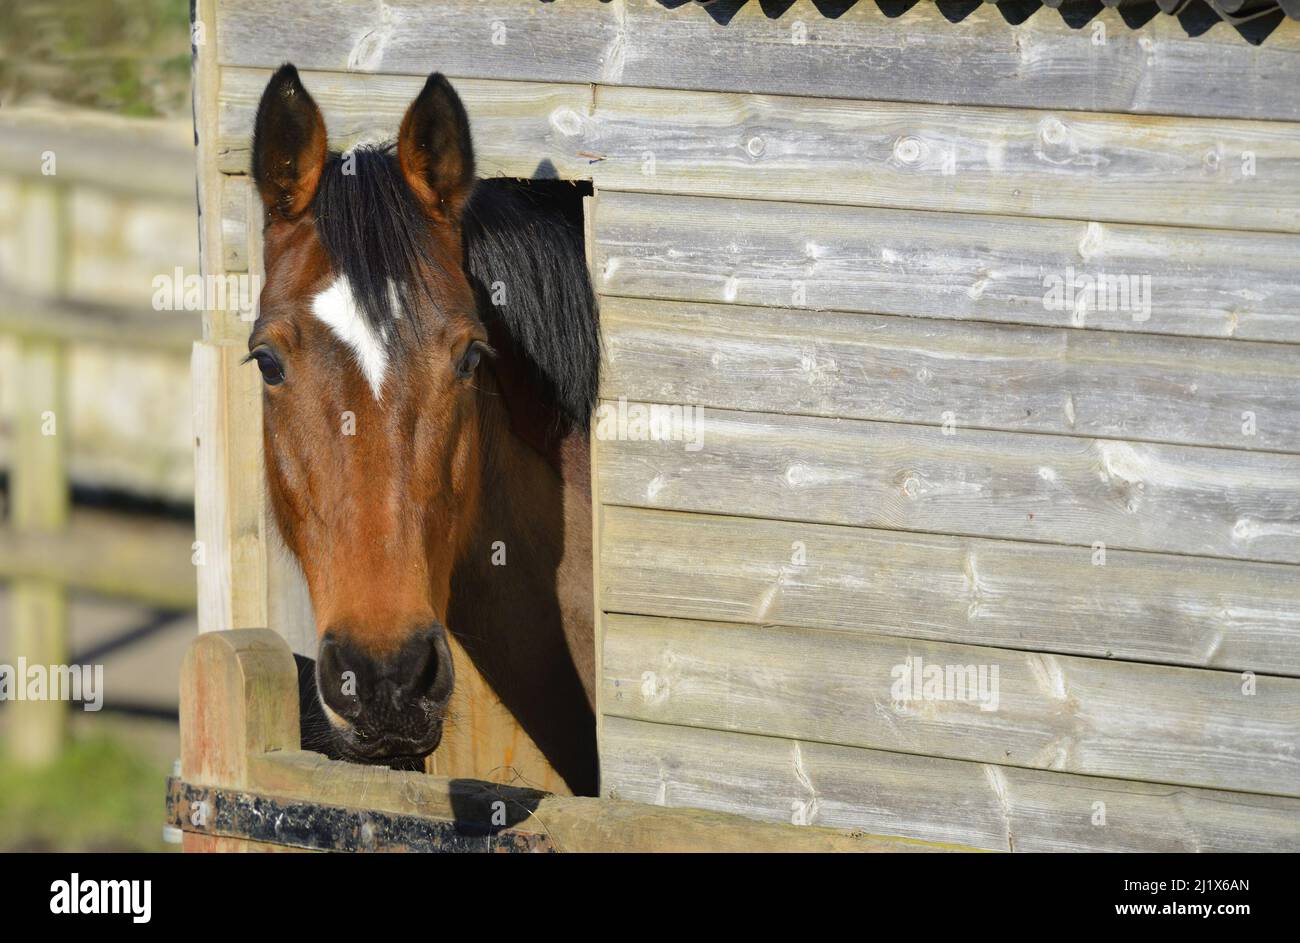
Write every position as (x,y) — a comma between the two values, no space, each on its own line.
(145,158)
(860,54)
(1176,171)
(1042,62)
(995,807)
(1133,606)
(1158,170)
(504,39)
(946,265)
(34,316)
(235,196)
(1097,383)
(1053,712)
(516,125)
(113,554)
(1056,489)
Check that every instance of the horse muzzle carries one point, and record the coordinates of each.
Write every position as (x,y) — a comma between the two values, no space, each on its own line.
(386,706)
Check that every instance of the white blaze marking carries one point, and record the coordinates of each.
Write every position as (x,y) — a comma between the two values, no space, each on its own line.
(338,309)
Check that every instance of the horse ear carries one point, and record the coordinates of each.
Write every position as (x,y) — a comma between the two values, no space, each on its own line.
(435,150)
(289,145)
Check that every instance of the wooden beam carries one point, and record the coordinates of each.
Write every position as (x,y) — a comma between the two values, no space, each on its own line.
(964,482)
(1123,720)
(949,266)
(1133,606)
(141,157)
(1193,391)
(39,493)
(76,321)
(990,806)
(113,554)
(228,512)
(239,698)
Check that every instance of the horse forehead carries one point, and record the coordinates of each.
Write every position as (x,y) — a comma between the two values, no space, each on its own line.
(336,306)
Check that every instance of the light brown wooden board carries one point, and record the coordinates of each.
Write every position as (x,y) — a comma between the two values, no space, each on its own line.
(947,265)
(861,54)
(1052,712)
(990,376)
(1136,606)
(984,805)
(1057,489)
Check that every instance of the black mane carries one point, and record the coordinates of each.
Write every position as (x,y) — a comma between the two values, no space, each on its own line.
(517,238)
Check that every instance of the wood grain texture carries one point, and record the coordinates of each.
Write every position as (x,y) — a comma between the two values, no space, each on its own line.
(1176,171)
(1233,174)
(860,54)
(1052,712)
(236,193)
(228,489)
(505,39)
(1096,383)
(1135,606)
(238,699)
(1055,489)
(983,805)
(948,265)
(1042,62)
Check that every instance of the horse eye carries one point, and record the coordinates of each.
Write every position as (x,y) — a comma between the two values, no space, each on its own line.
(469,361)
(272,372)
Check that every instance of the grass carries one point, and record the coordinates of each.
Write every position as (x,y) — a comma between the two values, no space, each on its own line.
(100,795)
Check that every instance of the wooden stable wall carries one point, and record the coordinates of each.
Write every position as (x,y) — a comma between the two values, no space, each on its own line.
(833,235)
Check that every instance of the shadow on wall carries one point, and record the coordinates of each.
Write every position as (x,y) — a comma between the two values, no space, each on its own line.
(1255,20)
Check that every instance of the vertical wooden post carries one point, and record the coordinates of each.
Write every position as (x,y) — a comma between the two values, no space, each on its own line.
(239,697)
(597,509)
(38,484)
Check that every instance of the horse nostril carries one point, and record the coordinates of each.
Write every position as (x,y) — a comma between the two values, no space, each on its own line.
(429,668)
(336,679)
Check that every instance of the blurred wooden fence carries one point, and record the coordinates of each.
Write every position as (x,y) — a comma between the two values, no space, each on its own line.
(93,381)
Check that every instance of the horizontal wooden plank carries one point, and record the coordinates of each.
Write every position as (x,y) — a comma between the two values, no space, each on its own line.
(1233,174)
(947,265)
(1096,383)
(85,322)
(1132,606)
(861,53)
(507,39)
(134,558)
(986,806)
(1053,712)
(983,60)
(1056,489)
(152,159)
(1175,171)
(520,129)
